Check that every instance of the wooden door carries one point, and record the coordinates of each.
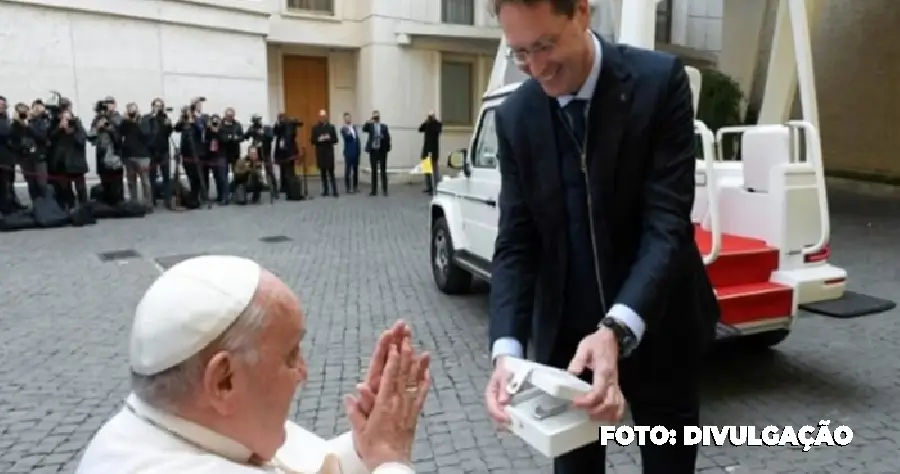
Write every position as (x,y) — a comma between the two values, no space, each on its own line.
(305,93)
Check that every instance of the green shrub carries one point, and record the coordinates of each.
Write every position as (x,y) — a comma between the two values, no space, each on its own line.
(720,106)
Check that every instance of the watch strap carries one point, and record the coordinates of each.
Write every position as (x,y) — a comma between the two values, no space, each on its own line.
(624,336)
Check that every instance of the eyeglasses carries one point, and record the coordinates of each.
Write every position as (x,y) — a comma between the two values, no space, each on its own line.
(522,55)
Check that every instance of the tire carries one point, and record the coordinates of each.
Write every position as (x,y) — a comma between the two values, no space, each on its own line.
(764,340)
(449,277)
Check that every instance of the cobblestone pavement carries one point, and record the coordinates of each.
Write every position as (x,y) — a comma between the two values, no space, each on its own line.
(359,263)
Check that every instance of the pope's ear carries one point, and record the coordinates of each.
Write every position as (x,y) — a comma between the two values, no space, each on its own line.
(218,378)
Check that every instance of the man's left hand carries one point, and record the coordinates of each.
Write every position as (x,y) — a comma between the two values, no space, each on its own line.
(599,353)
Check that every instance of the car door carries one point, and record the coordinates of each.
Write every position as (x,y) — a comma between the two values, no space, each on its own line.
(480,213)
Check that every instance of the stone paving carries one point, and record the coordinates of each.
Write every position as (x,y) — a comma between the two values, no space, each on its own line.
(359,263)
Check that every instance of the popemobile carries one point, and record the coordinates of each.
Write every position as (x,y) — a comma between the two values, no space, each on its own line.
(762,222)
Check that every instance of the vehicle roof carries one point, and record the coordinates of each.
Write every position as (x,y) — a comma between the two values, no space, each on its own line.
(501,91)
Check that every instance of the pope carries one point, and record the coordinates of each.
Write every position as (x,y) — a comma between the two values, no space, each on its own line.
(216,357)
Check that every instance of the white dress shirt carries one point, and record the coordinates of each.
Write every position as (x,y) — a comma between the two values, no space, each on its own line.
(142,440)
(507,346)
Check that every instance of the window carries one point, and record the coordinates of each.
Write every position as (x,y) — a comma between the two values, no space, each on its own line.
(458,12)
(664,21)
(457,92)
(321,7)
(485,155)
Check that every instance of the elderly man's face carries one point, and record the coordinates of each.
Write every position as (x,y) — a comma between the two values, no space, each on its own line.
(262,389)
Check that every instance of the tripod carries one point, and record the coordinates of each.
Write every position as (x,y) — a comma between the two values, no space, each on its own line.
(304,179)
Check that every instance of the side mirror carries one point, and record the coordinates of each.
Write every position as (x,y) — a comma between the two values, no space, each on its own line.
(456,160)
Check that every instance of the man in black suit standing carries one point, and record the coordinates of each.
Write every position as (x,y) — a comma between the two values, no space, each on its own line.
(431,128)
(323,138)
(378,145)
(595,262)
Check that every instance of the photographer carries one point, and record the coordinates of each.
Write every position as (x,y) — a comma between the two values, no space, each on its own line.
(67,158)
(261,137)
(160,132)
(248,177)
(136,156)
(29,141)
(232,136)
(191,125)
(7,162)
(378,145)
(431,128)
(104,135)
(286,152)
(215,162)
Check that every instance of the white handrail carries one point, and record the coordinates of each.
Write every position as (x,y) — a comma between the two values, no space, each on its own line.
(733,130)
(712,187)
(814,158)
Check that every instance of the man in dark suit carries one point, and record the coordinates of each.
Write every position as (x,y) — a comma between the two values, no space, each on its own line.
(378,145)
(431,128)
(323,138)
(352,150)
(595,262)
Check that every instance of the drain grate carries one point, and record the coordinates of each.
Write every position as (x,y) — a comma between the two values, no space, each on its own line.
(169,261)
(116,255)
(275,239)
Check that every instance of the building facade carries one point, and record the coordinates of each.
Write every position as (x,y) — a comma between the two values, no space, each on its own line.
(401,57)
(855,57)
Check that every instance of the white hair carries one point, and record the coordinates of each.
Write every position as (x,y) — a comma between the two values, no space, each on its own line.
(170,387)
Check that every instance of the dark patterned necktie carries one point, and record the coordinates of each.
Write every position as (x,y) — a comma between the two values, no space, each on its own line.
(575,110)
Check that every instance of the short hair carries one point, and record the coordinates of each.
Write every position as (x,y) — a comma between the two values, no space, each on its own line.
(346,114)
(167,389)
(560,7)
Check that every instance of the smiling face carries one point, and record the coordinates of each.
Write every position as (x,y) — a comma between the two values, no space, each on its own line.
(551,46)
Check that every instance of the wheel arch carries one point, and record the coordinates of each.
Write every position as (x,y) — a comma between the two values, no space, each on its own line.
(448,209)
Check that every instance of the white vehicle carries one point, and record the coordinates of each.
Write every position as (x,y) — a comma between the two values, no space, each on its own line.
(762,224)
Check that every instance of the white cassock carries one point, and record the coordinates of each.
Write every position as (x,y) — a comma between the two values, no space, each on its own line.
(142,440)
(186,309)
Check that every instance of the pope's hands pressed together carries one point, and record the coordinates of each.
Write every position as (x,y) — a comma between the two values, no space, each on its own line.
(385,411)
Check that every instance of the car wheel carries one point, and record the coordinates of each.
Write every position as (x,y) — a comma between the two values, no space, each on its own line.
(763,340)
(449,277)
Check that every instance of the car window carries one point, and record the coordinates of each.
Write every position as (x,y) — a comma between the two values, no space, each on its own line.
(485,155)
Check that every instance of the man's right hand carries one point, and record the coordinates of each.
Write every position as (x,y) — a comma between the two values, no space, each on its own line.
(495,397)
(387,434)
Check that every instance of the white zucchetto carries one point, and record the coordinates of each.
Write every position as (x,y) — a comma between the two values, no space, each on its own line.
(188,307)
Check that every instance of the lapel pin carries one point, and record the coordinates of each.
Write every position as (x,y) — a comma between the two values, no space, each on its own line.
(623,98)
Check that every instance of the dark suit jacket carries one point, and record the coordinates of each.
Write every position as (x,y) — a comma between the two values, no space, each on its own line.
(641,168)
(352,148)
(325,146)
(432,129)
(369,128)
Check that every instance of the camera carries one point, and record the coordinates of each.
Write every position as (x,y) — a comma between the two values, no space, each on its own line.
(102,107)
(195,102)
(22,111)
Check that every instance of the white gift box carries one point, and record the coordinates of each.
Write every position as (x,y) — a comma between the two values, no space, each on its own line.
(541,411)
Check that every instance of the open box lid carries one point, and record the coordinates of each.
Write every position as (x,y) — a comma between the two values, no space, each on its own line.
(550,380)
